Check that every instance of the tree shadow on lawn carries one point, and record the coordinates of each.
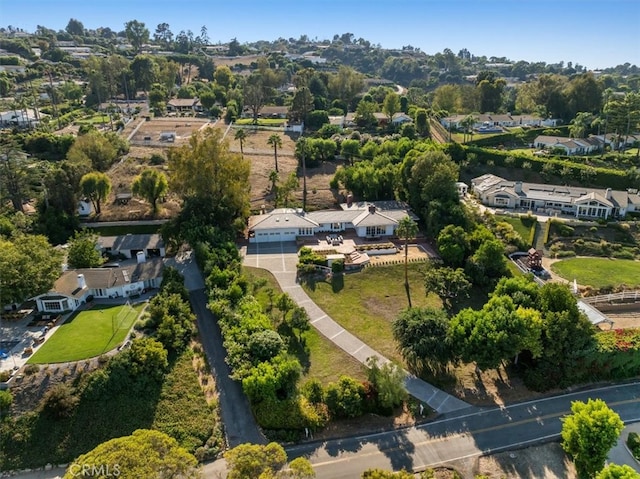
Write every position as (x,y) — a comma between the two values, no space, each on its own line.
(297,346)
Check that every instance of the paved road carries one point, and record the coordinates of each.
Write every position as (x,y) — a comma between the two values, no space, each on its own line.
(237,417)
(281,260)
(460,436)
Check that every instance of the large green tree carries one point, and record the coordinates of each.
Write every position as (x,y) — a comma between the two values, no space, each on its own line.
(391,105)
(29,266)
(448,283)
(421,337)
(174,320)
(428,183)
(93,149)
(498,332)
(207,172)
(265,461)
(137,34)
(146,453)
(151,185)
(82,251)
(96,186)
(589,433)
(14,174)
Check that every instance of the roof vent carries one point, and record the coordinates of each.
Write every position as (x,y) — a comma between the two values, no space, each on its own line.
(286,218)
(277,220)
(372,209)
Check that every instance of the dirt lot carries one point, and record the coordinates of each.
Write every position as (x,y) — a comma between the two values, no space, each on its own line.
(122,175)
(258,151)
(232,61)
(182,127)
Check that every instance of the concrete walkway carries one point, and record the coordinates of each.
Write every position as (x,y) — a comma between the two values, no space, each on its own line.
(281,259)
(620,454)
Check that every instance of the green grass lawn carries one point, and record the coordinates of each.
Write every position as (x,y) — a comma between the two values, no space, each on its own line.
(262,121)
(366,303)
(599,272)
(87,334)
(522,225)
(93,120)
(319,357)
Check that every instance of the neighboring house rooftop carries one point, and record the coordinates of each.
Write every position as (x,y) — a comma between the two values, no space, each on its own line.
(103,278)
(131,242)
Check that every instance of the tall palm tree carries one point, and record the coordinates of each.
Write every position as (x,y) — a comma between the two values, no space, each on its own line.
(275,141)
(241,135)
(407,229)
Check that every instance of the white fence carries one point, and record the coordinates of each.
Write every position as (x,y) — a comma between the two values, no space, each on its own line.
(625,296)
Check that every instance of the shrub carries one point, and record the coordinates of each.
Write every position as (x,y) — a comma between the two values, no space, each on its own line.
(4,376)
(337,266)
(31,369)
(264,345)
(633,442)
(345,398)
(6,399)
(294,413)
(313,391)
(156,159)
(60,401)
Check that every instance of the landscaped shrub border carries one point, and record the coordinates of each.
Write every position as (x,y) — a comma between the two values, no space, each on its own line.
(604,177)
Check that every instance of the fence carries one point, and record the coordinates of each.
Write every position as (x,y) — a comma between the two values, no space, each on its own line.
(624,296)
(389,262)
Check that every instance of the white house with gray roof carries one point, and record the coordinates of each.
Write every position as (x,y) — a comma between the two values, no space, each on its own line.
(75,287)
(578,201)
(367,219)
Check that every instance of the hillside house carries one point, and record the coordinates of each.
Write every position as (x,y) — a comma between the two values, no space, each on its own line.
(577,201)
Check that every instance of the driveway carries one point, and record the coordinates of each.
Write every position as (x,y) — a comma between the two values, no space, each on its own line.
(281,260)
(236,415)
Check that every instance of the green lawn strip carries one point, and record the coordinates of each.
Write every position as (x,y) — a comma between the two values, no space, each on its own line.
(123,230)
(262,122)
(521,228)
(366,303)
(92,120)
(182,411)
(320,358)
(599,272)
(87,334)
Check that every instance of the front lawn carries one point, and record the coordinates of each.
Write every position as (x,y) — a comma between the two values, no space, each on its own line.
(521,224)
(599,272)
(319,357)
(262,122)
(87,334)
(366,303)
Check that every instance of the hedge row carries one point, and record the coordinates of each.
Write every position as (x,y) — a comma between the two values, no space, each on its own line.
(602,177)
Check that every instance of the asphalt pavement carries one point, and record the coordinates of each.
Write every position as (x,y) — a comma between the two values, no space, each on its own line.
(462,436)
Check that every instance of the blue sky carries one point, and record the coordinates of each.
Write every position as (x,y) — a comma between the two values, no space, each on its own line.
(593,33)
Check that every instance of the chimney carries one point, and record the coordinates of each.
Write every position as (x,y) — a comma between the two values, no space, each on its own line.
(607,194)
(517,187)
(82,284)
(372,209)
(349,200)
(141,257)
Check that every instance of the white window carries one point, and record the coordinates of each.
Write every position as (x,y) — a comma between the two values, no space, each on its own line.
(501,201)
(376,230)
(52,305)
